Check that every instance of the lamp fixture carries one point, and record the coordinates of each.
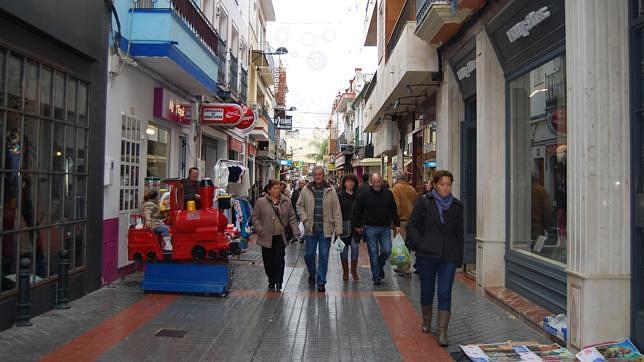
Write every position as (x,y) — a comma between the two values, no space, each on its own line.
(150,130)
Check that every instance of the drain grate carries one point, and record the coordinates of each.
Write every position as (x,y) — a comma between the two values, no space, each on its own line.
(173,333)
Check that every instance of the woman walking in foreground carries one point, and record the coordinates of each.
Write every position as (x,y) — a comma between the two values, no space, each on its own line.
(435,233)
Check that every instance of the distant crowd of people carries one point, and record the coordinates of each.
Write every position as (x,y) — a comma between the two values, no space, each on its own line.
(321,210)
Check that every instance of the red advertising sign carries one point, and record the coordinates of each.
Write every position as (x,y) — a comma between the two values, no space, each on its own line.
(557,121)
(248,118)
(251,149)
(235,145)
(171,107)
(221,114)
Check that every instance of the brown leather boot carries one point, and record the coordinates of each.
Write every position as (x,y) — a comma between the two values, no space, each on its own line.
(354,270)
(427,318)
(443,322)
(345,270)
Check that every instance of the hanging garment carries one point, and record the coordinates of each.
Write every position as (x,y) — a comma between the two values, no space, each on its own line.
(235,173)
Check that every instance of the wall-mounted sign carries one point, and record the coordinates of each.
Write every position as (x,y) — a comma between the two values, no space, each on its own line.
(523,28)
(466,71)
(285,123)
(248,118)
(222,114)
(429,164)
(171,107)
(339,161)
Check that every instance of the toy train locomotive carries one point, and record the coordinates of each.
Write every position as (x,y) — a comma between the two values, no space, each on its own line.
(197,234)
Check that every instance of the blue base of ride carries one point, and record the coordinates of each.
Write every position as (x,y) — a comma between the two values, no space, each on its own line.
(209,278)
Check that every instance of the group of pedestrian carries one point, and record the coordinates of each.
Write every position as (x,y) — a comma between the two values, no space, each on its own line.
(431,224)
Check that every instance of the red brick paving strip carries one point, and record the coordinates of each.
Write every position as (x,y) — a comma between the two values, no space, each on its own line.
(404,326)
(96,341)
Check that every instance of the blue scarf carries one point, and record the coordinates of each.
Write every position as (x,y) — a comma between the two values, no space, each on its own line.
(443,204)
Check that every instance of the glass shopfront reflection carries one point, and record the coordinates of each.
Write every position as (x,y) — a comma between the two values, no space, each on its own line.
(538,156)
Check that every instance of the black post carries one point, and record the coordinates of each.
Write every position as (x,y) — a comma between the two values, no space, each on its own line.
(24,272)
(61,289)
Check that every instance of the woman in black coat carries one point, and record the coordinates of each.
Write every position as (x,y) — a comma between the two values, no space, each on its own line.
(348,200)
(435,233)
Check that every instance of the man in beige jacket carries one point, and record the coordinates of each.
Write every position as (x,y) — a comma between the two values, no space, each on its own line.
(319,209)
(405,196)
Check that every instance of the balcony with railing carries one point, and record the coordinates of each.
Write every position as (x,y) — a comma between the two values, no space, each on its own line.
(243,91)
(439,20)
(233,75)
(263,58)
(407,14)
(174,38)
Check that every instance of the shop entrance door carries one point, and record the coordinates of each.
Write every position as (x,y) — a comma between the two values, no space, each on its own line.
(468,184)
(210,157)
(637,152)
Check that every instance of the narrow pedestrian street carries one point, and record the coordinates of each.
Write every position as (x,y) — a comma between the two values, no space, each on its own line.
(351,321)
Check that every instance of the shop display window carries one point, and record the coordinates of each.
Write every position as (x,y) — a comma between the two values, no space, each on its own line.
(158,151)
(538,162)
(43,173)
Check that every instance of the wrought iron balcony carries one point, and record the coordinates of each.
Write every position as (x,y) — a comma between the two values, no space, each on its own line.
(243,92)
(221,71)
(234,74)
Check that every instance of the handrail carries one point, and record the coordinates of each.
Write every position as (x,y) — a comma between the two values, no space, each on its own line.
(424,6)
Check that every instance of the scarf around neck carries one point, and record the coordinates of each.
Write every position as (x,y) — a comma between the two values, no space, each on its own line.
(443,204)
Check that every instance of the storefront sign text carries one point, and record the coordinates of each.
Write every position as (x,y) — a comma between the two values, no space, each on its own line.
(248,118)
(171,107)
(222,114)
(235,145)
(523,28)
(467,70)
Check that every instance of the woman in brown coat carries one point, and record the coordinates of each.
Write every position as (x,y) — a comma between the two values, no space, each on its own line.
(272,214)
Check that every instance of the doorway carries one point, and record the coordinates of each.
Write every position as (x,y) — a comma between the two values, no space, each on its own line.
(210,157)
(468,185)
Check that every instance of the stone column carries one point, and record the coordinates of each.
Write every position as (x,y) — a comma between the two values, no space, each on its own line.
(599,196)
(490,166)
(450,111)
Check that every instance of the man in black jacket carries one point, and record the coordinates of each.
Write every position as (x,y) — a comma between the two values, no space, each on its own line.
(364,186)
(374,215)
(191,188)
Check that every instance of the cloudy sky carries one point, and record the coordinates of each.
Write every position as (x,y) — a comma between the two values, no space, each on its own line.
(325,43)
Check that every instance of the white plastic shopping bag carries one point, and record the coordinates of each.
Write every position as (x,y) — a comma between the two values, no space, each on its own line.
(399,253)
(338,244)
(300,226)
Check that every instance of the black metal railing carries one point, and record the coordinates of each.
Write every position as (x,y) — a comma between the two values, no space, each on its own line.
(243,92)
(234,74)
(423,6)
(221,71)
(407,14)
(371,86)
(191,15)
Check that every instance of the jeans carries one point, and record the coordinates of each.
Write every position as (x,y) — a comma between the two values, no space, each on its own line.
(273,258)
(162,229)
(379,245)
(429,268)
(355,250)
(312,242)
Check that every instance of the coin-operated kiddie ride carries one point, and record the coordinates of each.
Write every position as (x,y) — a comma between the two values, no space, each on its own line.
(202,243)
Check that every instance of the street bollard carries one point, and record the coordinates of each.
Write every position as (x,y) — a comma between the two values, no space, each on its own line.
(61,288)
(24,272)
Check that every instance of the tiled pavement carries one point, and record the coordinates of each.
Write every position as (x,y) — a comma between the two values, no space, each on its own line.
(352,321)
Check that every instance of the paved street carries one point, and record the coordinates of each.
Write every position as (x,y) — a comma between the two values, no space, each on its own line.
(352,321)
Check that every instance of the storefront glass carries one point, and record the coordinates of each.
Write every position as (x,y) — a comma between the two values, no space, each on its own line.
(158,151)
(538,169)
(43,170)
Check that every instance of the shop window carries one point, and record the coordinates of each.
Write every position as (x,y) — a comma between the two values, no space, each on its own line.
(130,161)
(42,168)
(538,156)
(158,151)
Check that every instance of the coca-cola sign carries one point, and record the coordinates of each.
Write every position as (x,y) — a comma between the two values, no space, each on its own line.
(222,114)
(248,118)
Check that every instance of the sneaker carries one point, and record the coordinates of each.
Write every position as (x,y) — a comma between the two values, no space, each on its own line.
(311,281)
(377,282)
(278,287)
(321,288)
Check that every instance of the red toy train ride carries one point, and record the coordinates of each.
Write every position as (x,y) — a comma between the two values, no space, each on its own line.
(200,234)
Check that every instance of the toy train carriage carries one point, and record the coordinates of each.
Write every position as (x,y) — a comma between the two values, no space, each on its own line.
(196,234)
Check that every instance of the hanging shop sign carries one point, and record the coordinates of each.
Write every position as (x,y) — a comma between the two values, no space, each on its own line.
(221,114)
(339,161)
(525,30)
(248,118)
(169,106)
(557,123)
(235,145)
(429,164)
(285,123)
